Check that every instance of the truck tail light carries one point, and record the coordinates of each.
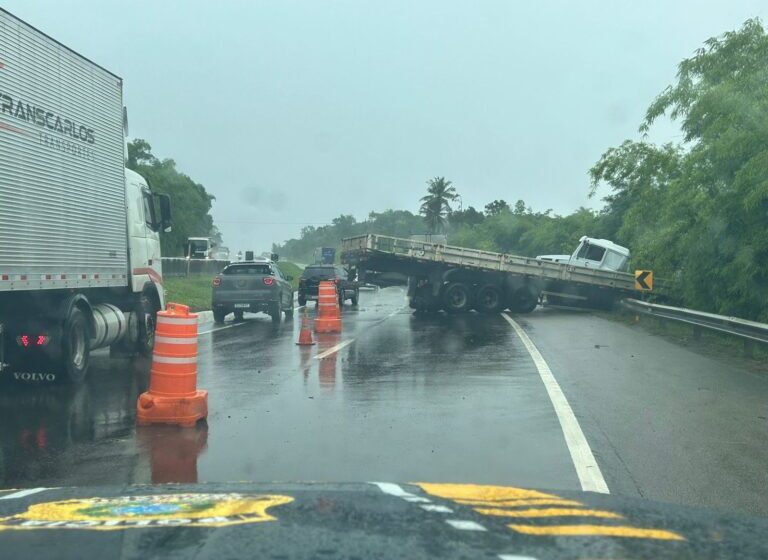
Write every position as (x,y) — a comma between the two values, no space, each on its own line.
(269,280)
(217,281)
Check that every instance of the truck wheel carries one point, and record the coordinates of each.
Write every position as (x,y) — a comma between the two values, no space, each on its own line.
(218,315)
(523,301)
(488,299)
(75,351)
(238,315)
(456,298)
(146,312)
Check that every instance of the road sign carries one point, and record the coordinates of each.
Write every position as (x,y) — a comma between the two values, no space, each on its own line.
(644,280)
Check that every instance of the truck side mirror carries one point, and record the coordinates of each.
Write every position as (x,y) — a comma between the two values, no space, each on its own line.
(166,219)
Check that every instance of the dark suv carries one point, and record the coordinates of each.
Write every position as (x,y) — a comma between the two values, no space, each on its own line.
(253,286)
(314,273)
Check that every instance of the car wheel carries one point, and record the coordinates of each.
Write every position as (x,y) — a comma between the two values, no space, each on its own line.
(275,313)
(488,300)
(238,315)
(456,298)
(218,315)
(355,298)
(289,311)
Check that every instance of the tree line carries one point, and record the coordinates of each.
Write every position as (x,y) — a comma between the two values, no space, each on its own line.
(694,211)
(191,203)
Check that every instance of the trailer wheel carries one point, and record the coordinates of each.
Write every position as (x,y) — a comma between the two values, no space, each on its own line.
(238,315)
(488,299)
(75,349)
(456,298)
(523,301)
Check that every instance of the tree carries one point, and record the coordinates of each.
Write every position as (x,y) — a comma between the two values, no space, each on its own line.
(190,201)
(435,206)
(468,217)
(496,207)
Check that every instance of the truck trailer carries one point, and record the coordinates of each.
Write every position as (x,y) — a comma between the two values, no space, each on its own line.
(80,263)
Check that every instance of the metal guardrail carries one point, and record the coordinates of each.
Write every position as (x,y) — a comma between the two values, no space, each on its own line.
(749,331)
(174,266)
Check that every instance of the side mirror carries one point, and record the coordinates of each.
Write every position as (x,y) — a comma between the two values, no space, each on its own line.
(166,219)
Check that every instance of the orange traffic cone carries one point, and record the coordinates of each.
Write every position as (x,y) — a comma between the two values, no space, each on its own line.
(173,397)
(328,314)
(305,334)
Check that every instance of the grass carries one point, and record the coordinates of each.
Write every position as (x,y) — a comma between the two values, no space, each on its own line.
(195,291)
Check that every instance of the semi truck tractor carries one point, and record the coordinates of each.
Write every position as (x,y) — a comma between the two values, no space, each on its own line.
(80,263)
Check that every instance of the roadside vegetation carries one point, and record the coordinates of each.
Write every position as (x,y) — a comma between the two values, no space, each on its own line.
(195,291)
(694,211)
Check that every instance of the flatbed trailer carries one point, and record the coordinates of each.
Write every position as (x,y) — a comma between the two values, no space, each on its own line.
(458,279)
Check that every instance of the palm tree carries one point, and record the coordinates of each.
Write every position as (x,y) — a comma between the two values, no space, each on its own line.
(435,206)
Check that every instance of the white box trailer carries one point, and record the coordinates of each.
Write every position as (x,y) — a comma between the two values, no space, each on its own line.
(79,245)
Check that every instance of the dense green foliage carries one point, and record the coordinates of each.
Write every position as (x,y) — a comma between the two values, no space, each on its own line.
(695,212)
(190,202)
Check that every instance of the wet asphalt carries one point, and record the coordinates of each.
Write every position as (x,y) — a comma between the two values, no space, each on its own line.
(411,398)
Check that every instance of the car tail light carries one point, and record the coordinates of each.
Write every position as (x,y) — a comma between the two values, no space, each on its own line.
(269,280)
(217,281)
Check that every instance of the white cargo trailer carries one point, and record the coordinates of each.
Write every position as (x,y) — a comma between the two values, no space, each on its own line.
(80,263)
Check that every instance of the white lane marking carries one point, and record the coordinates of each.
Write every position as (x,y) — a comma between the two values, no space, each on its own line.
(587,469)
(222,328)
(515,557)
(417,499)
(437,509)
(465,525)
(392,489)
(22,493)
(345,343)
(334,349)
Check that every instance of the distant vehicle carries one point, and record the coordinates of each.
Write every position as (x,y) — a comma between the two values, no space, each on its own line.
(314,273)
(595,253)
(220,253)
(254,286)
(80,262)
(325,255)
(198,248)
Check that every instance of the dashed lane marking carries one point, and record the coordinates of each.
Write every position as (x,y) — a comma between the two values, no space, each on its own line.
(519,503)
(596,530)
(436,508)
(465,525)
(394,490)
(22,493)
(222,328)
(515,557)
(587,469)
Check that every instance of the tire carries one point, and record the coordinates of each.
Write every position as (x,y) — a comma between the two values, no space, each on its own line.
(146,311)
(275,313)
(238,315)
(289,312)
(302,301)
(218,315)
(523,301)
(489,299)
(341,298)
(456,298)
(75,350)
(356,297)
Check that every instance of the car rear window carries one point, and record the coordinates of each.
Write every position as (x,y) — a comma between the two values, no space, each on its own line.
(248,269)
(316,271)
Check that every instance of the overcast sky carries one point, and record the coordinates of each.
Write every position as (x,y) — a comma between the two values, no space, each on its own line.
(295,112)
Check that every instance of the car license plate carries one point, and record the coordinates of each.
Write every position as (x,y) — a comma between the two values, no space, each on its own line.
(242,305)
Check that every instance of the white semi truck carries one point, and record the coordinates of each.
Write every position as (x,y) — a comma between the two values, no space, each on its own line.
(80,263)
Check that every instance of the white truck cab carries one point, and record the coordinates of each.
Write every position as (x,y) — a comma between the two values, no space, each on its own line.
(595,253)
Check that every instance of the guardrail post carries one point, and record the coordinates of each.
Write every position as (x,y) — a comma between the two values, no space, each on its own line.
(696,332)
(749,347)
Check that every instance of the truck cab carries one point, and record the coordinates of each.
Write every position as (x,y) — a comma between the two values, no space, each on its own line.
(595,253)
(198,248)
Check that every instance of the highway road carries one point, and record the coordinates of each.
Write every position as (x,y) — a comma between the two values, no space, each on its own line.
(556,400)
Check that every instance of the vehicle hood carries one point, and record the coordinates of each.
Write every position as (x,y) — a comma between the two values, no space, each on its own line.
(362,520)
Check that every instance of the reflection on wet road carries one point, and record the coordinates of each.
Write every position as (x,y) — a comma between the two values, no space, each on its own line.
(398,397)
